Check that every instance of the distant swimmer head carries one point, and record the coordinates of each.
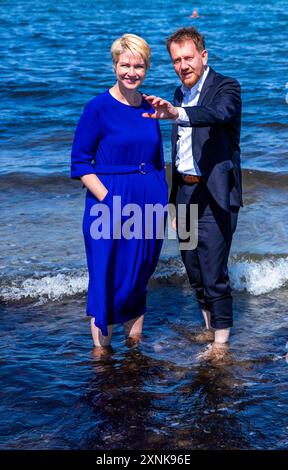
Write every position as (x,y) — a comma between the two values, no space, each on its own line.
(194,14)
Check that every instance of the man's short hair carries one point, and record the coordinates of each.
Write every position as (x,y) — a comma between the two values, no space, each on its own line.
(185,34)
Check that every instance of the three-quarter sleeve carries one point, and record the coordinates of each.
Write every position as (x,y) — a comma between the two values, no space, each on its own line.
(85,142)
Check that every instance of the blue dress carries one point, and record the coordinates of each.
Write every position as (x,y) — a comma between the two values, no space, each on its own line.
(114,141)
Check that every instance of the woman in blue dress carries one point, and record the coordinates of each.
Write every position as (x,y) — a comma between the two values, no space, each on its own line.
(118,156)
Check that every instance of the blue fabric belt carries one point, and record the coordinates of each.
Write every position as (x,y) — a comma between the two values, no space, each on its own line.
(143,168)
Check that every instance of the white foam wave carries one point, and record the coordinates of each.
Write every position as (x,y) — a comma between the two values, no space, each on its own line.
(169,268)
(258,277)
(46,288)
(254,276)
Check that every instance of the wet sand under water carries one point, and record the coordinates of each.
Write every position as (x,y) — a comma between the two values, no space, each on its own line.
(57,393)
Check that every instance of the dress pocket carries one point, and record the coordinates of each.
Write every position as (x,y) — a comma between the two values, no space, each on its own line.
(108,182)
(106,197)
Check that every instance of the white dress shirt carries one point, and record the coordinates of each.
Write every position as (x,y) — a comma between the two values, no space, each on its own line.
(185,163)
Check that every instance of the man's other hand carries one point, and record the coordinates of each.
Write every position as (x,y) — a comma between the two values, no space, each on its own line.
(173,224)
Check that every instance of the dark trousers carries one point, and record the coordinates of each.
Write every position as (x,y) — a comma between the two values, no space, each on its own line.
(206,265)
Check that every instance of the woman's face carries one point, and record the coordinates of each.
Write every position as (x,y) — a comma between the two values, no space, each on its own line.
(130,70)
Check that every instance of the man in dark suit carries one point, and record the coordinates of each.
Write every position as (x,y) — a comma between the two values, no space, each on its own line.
(206,117)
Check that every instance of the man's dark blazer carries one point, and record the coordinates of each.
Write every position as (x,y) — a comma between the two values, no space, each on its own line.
(216,122)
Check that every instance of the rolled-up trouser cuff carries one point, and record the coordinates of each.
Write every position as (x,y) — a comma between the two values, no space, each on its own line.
(201,299)
(221,312)
(202,304)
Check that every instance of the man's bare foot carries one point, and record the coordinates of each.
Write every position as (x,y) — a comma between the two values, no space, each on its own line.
(216,352)
(204,336)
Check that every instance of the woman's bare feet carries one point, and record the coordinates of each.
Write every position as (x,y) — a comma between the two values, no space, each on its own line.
(133,330)
(100,352)
(100,341)
(133,340)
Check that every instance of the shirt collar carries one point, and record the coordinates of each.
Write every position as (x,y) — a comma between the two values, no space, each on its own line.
(198,86)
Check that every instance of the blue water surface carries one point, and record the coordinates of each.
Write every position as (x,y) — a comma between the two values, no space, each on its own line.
(55,57)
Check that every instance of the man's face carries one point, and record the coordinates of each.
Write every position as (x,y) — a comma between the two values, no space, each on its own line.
(189,63)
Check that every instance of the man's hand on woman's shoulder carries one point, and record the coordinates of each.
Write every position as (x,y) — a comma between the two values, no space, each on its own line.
(163,109)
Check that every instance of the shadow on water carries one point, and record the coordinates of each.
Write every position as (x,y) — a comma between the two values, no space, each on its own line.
(159,396)
(144,403)
(57,393)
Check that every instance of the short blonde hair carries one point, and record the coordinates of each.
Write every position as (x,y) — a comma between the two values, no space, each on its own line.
(131,43)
